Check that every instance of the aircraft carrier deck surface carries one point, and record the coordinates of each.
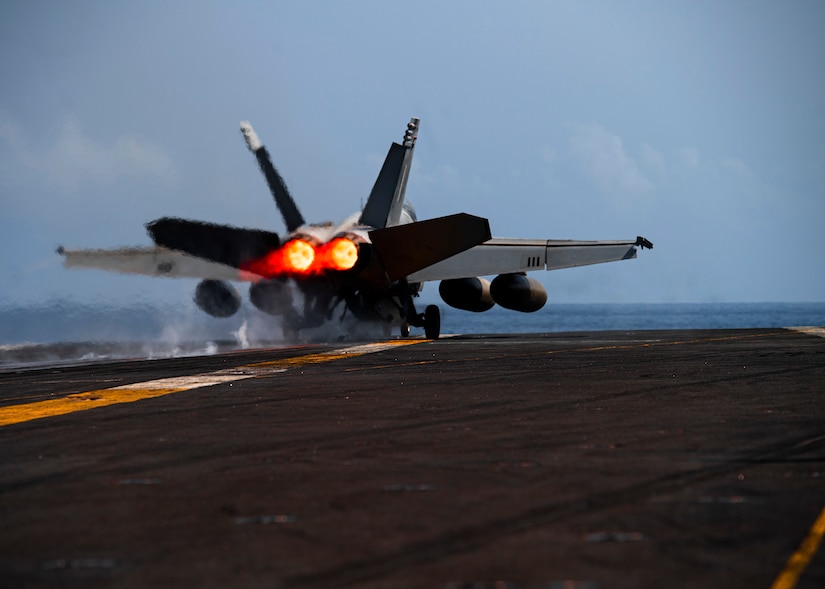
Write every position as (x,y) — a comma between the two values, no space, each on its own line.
(565,461)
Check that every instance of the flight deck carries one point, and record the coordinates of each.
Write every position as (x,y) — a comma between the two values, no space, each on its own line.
(565,461)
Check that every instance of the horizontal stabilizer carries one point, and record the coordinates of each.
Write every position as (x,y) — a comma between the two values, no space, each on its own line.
(405,249)
(151,261)
(227,245)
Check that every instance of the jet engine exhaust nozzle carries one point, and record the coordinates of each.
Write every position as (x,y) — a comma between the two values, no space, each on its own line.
(299,257)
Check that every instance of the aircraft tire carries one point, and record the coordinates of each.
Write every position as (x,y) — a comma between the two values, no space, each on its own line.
(405,329)
(432,322)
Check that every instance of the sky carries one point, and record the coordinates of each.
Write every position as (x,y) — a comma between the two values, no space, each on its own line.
(697,124)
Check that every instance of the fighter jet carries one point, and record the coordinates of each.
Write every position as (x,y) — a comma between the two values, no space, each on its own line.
(372,265)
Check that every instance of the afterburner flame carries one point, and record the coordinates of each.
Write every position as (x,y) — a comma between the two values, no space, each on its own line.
(339,254)
(298,257)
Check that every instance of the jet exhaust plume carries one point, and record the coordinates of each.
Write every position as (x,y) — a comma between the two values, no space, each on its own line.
(339,254)
(298,257)
(294,258)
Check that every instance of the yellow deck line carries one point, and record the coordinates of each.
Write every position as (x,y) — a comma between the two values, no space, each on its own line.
(799,560)
(166,386)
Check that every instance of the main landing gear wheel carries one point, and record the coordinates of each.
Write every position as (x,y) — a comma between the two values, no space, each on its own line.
(432,322)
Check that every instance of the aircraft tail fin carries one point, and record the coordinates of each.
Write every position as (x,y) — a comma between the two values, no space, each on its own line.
(289,210)
(405,249)
(386,201)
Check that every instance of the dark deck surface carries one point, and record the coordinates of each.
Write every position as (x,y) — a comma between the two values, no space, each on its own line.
(576,461)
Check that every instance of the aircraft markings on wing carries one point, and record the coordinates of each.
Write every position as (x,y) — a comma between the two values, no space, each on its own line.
(373,264)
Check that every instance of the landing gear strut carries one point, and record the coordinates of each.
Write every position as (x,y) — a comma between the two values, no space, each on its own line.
(430,320)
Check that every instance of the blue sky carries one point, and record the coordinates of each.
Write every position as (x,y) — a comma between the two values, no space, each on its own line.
(700,125)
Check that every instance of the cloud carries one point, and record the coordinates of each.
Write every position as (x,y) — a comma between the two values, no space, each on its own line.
(13,142)
(735,165)
(73,159)
(548,154)
(653,159)
(601,154)
(689,157)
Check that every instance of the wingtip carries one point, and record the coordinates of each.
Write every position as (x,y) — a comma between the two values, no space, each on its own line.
(411,133)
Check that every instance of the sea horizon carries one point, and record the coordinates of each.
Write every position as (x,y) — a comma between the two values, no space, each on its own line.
(67,321)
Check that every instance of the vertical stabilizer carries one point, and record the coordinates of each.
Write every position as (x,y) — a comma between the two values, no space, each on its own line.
(386,201)
(289,210)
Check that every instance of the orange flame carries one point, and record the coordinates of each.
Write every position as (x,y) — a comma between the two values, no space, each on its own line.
(338,254)
(299,257)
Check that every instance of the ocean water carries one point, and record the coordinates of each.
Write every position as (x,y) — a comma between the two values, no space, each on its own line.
(73,322)
(624,317)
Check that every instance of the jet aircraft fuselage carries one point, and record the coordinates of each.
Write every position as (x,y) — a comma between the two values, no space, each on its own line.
(372,264)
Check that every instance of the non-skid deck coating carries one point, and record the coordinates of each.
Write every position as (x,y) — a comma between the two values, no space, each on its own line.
(581,460)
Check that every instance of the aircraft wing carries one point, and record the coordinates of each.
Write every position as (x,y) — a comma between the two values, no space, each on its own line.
(506,256)
(151,261)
